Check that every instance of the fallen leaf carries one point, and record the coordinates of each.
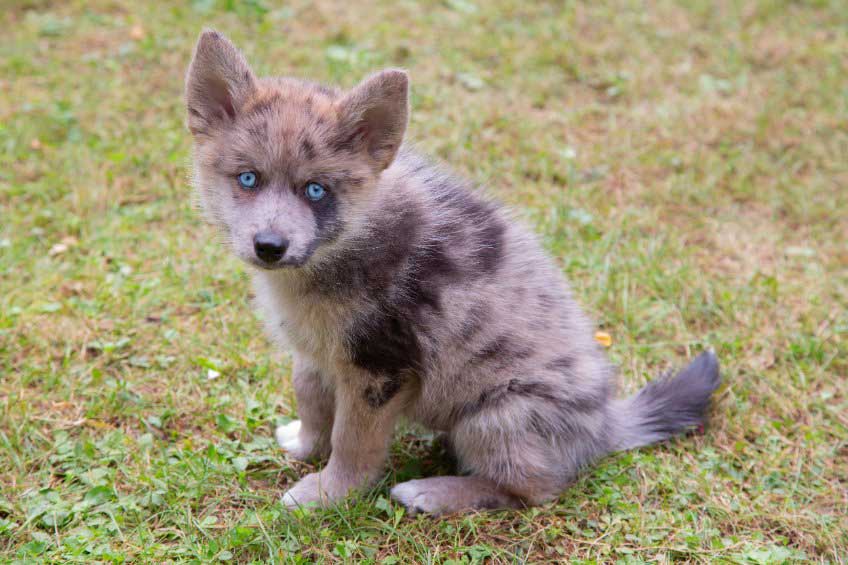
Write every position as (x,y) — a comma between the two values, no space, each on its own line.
(603,338)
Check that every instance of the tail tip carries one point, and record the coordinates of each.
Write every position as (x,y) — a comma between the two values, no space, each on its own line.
(706,366)
(670,405)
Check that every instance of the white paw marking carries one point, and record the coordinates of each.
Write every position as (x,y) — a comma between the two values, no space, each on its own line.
(306,492)
(292,445)
(414,497)
(289,501)
(288,435)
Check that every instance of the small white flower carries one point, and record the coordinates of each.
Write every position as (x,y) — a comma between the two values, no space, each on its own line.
(568,152)
(58,249)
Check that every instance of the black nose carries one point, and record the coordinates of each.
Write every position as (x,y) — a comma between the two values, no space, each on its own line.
(270,246)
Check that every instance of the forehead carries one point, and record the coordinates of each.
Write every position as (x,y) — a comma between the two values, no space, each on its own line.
(286,123)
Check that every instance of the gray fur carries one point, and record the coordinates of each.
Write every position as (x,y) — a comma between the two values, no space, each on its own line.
(413,296)
(668,405)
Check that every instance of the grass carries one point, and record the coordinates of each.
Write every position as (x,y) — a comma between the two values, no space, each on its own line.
(687,164)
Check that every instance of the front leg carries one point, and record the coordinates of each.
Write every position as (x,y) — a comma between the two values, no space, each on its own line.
(362,431)
(309,436)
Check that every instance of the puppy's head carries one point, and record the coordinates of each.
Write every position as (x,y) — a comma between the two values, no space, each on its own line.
(282,165)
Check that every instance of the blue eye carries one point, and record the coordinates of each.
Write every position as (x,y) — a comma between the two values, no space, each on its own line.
(247,179)
(315,191)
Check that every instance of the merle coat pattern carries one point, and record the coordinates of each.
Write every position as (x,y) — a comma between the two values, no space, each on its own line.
(403,291)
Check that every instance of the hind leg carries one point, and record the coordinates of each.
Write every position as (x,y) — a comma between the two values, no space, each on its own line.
(505,473)
(509,476)
(519,453)
(443,495)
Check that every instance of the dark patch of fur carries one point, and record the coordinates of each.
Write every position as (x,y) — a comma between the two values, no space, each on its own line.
(327,218)
(346,140)
(263,105)
(429,266)
(385,345)
(258,130)
(476,317)
(404,276)
(394,265)
(490,244)
(379,392)
(307,149)
(563,404)
(535,389)
(561,364)
(546,301)
(504,350)
(487,230)
(388,347)
(495,348)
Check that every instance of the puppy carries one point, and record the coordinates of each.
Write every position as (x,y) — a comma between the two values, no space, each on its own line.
(402,291)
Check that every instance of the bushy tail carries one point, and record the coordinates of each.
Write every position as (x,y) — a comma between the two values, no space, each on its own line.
(668,405)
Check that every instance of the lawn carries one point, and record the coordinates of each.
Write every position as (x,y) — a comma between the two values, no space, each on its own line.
(686,164)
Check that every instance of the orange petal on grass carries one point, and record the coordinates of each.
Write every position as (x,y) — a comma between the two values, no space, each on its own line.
(603,338)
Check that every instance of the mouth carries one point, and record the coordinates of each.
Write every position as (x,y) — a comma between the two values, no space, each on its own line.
(284,263)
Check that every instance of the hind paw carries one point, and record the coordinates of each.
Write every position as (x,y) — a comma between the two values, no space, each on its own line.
(415,497)
(443,495)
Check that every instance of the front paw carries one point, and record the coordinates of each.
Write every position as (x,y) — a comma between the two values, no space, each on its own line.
(297,443)
(288,436)
(315,489)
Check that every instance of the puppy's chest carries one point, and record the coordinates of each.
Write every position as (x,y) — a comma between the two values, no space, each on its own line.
(317,328)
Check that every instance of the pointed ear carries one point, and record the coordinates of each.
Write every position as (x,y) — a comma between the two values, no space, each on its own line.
(374,114)
(218,83)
